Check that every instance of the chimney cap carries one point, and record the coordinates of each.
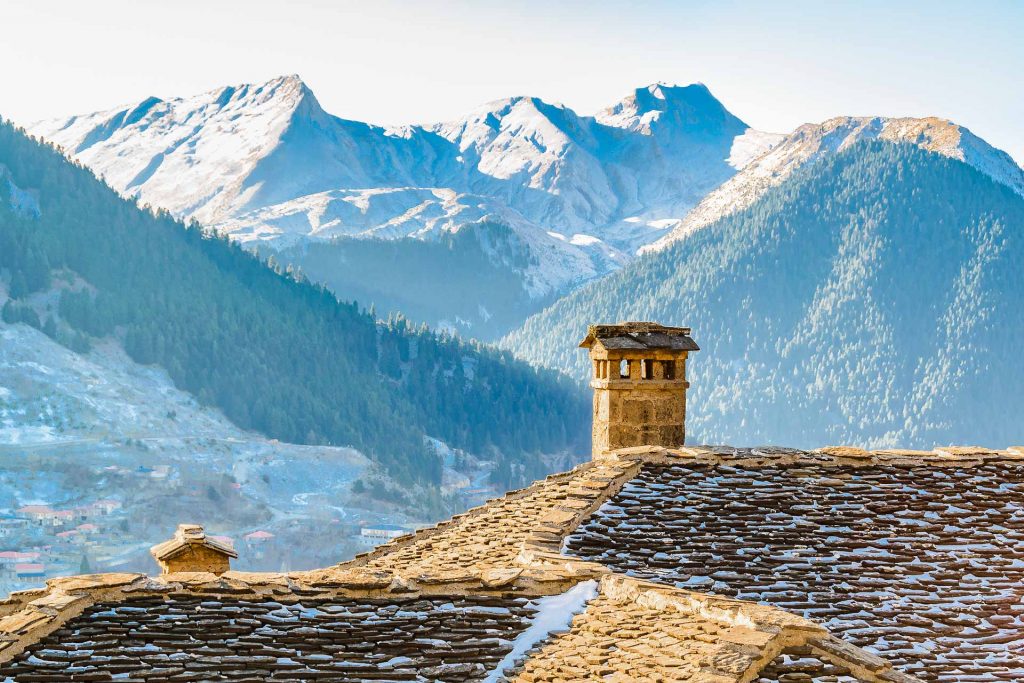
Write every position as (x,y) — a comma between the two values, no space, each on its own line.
(639,336)
(185,537)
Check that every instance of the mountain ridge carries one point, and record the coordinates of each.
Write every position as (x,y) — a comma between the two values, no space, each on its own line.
(580,195)
(810,142)
(536,165)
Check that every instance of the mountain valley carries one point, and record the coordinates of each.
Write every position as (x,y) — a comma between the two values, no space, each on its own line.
(854,270)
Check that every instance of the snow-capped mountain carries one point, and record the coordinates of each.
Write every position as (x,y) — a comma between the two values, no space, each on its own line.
(232,150)
(266,164)
(618,176)
(811,142)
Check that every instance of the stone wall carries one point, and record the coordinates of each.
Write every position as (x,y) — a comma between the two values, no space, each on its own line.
(638,412)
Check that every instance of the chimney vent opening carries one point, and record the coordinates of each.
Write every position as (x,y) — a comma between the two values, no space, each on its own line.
(669,367)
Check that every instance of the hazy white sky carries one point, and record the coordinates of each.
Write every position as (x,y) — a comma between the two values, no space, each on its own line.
(774,64)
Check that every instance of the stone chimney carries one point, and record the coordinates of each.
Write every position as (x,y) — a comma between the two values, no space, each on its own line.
(639,381)
(191,551)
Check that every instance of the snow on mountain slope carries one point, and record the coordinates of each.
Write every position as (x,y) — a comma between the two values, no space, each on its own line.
(423,213)
(813,141)
(381,212)
(542,159)
(750,145)
(266,163)
(687,144)
(188,155)
(621,175)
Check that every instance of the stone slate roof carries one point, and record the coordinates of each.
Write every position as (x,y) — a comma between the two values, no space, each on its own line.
(802,665)
(639,337)
(196,640)
(510,551)
(922,563)
(690,640)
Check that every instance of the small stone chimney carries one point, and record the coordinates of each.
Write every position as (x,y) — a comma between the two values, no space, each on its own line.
(639,382)
(191,551)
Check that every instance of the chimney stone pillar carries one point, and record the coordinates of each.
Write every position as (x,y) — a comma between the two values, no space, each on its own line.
(639,381)
(190,550)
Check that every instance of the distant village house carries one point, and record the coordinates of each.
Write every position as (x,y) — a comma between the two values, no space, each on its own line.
(380,533)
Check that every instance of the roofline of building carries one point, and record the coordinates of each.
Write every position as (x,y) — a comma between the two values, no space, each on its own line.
(168,550)
(536,568)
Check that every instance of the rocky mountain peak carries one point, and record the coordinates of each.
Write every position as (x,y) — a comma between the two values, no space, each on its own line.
(660,105)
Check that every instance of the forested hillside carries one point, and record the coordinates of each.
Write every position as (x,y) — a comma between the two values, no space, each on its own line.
(275,353)
(876,297)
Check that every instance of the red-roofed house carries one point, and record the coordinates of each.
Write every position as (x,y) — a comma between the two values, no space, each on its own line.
(30,570)
(34,510)
(43,515)
(17,555)
(9,558)
(258,536)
